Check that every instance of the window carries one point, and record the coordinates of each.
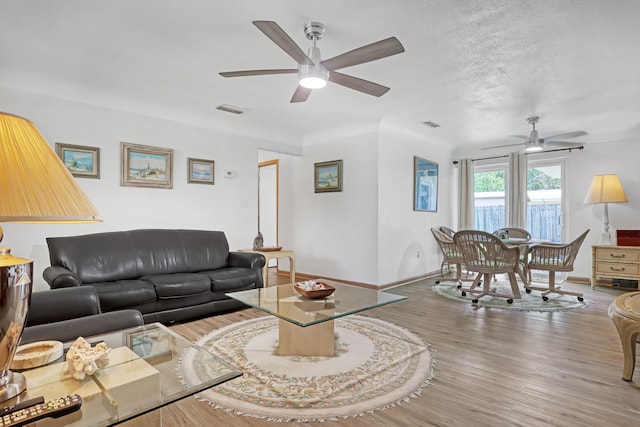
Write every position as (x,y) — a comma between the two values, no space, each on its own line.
(544,199)
(489,196)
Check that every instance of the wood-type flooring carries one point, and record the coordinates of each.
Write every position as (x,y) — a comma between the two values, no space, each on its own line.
(493,367)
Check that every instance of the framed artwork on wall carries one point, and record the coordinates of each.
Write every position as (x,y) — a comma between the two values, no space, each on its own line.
(146,166)
(328,176)
(82,161)
(425,185)
(200,171)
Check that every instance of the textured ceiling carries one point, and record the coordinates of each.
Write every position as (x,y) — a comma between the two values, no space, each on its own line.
(478,68)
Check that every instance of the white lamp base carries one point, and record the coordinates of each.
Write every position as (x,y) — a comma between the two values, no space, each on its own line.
(605,239)
(605,236)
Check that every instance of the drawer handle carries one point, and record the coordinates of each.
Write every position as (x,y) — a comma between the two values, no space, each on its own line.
(617,256)
(616,269)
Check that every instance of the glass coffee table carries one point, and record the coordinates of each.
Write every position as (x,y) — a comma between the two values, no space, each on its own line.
(142,375)
(306,326)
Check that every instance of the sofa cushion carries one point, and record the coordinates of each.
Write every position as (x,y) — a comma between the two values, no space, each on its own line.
(179,285)
(231,278)
(124,293)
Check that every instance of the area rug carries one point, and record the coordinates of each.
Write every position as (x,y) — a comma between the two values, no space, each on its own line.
(528,302)
(377,365)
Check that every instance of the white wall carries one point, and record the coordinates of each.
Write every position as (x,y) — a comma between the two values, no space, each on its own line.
(230,205)
(620,158)
(333,234)
(406,245)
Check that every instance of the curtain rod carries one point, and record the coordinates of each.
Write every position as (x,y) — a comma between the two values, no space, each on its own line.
(455,162)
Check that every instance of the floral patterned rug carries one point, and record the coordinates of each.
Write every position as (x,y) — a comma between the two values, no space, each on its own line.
(377,365)
(529,302)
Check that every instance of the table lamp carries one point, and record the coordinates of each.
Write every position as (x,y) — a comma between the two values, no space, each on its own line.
(605,189)
(35,186)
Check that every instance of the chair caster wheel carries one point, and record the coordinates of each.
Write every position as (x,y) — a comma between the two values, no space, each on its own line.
(474,301)
(528,291)
(545,298)
(437,282)
(580,299)
(459,286)
(464,294)
(510,301)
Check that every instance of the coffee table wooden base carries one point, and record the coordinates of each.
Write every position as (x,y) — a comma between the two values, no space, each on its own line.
(314,340)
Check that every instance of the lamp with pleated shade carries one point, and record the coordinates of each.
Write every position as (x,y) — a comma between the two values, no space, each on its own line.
(35,186)
(605,189)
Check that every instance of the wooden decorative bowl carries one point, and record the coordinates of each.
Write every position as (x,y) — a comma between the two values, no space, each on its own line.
(322,290)
(36,354)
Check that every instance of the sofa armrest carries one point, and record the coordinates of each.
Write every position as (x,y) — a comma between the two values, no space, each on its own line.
(60,277)
(250,260)
(61,304)
(70,329)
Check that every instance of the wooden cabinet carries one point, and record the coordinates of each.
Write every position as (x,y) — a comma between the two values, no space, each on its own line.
(615,262)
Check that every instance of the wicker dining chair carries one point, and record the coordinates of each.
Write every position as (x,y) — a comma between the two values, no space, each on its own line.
(553,257)
(451,255)
(486,254)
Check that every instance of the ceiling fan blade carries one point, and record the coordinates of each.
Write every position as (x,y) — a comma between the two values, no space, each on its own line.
(520,136)
(301,94)
(258,72)
(501,146)
(565,144)
(282,39)
(565,135)
(355,83)
(370,52)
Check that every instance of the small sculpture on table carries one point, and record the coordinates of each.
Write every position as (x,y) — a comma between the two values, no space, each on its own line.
(83,360)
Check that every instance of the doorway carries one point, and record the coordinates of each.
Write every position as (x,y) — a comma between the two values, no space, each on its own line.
(268,203)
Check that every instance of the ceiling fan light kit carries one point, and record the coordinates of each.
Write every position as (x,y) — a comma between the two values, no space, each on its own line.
(313,72)
(313,76)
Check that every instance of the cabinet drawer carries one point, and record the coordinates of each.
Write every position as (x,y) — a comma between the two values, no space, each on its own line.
(617,255)
(617,269)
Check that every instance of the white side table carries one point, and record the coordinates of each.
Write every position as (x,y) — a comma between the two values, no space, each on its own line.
(269,255)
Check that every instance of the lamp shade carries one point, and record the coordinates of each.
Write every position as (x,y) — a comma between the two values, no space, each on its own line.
(35,186)
(605,189)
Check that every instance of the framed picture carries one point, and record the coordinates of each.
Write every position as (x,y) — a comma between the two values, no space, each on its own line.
(200,171)
(146,166)
(425,185)
(82,161)
(328,176)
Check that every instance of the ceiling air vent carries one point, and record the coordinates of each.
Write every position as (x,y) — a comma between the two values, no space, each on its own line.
(229,109)
(431,124)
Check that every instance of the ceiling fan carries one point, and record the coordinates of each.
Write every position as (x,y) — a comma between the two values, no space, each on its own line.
(533,143)
(313,72)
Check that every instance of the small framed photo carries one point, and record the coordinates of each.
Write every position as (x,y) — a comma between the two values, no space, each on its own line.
(425,185)
(200,171)
(82,161)
(146,166)
(328,176)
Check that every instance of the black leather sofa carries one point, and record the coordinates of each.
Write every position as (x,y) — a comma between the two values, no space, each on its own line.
(167,275)
(68,313)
